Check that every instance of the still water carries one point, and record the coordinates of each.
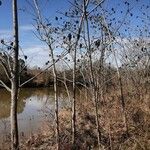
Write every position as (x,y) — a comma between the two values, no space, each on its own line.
(33,106)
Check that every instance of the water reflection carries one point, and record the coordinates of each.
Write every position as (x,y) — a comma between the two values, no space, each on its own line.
(31,105)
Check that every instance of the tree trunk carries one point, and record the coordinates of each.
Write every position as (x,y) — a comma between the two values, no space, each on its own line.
(14,124)
(74,102)
(14,82)
(92,79)
(56,106)
(74,83)
(56,99)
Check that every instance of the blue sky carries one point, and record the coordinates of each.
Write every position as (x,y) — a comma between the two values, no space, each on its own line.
(29,43)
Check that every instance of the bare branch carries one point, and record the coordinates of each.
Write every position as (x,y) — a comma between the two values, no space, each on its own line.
(63,55)
(95,7)
(5,86)
(6,70)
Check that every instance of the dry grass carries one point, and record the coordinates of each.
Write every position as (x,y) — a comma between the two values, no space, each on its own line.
(113,130)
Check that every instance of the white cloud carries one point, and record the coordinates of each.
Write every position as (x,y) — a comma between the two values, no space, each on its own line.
(37,55)
(5,34)
(8,33)
(26,28)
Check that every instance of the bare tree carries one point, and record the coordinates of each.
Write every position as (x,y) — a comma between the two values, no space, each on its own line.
(15,80)
(74,81)
(11,68)
(45,34)
(93,83)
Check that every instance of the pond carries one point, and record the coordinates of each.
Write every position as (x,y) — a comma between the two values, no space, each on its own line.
(33,106)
